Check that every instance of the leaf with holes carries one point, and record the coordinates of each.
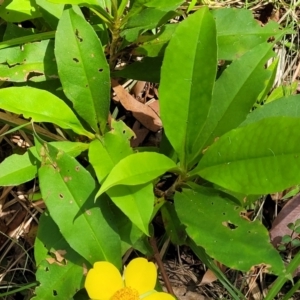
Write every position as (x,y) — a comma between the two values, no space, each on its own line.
(217,224)
(238,32)
(32,61)
(79,52)
(41,106)
(68,191)
(17,169)
(57,263)
(19,10)
(138,168)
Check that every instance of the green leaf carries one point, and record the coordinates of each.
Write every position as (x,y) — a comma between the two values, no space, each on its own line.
(286,106)
(146,70)
(270,82)
(260,158)
(41,106)
(75,2)
(174,228)
(164,5)
(130,235)
(105,154)
(33,61)
(17,169)
(51,12)
(51,273)
(238,32)
(286,239)
(79,51)
(137,169)
(136,202)
(13,31)
(283,91)
(246,77)
(19,10)
(99,5)
(154,45)
(218,225)
(295,243)
(148,18)
(68,191)
(184,90)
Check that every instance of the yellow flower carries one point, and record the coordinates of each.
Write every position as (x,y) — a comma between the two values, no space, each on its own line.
(104,282)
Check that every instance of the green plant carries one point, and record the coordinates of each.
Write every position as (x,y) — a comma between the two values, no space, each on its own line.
(219,153)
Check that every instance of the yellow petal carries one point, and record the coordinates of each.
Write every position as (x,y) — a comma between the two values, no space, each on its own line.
(103,281)
(159,296)
(141,275)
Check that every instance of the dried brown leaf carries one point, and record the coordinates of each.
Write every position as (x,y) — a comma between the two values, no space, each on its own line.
(289,214)
(143,113)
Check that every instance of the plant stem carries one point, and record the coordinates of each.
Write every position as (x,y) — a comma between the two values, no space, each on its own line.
(122,7)
(161,265)
(115,36)
(292,291)
(280,281)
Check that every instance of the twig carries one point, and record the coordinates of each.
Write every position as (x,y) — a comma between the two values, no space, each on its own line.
(161,266)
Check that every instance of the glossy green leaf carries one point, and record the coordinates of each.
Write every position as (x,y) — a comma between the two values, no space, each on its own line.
(79,52)
(17,169)
(136,169)
(41,106)
(19,10)
(260,158)
(235,93)
(105,154)
(33,61)
(68,191)
(51,273)
(238,32)
(217,224)
(136,202)
(51,12)
(121,129)
(184,90)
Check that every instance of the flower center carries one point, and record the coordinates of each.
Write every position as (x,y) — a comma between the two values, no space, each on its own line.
(126,293)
